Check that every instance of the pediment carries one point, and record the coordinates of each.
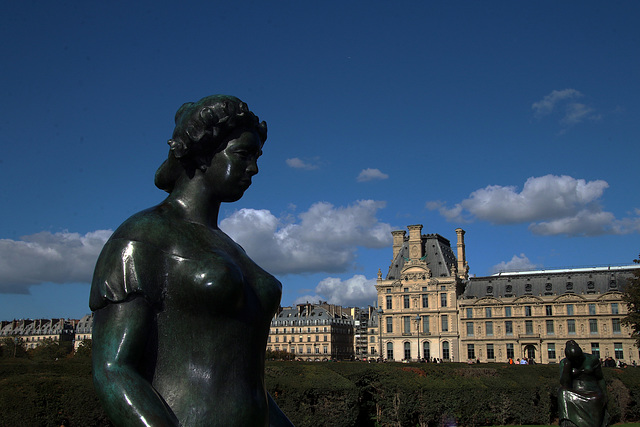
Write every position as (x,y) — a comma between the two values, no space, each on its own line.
(527,299)
(415,272)
(611,296)
(569,298)
(487,301)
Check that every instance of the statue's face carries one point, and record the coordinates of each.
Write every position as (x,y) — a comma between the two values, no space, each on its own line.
(229,174)
(573,350)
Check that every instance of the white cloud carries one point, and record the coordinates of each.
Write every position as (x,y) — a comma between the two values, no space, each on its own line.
(552,204)
(323,239)
(561,101)
(371,174)
(297,163)
(549,102)
(49,257)
(358,291)
(517,263)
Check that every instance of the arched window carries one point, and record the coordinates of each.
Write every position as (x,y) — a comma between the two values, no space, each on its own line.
(426,350)
(445,350)
(390,350)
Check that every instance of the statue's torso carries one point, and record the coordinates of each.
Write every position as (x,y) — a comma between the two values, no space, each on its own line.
(206,353)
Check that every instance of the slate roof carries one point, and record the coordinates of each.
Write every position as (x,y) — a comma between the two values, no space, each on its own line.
(597,280)
(307,315)
(438,254)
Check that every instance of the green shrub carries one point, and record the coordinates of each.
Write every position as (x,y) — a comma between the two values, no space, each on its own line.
(41,393)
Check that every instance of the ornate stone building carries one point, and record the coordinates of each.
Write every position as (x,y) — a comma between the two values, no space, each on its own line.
(418,298)
(313,332)
(532,315)
(429,307)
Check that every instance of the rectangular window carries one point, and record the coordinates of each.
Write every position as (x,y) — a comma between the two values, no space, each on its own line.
(507,312)
(614,308)
(390,351)
(389,302)
(425,301)
(595,349)
(571,326)
(615,326)
(487,312)
(508,327)
(445,324)
(317,350)
(469,329)
(527,310)
(489,327)
(317,338)
(510,351)
(569,309)
(550,328)
(325,349)
(490,354)
(469,313)
(551,351)
(617,348)
(389,324)
(592,309)
(443,300)
(308,350)
(549,310)
(593,326)
(528,327)
(406,301)
(425,325)
(406,322)
(405,290)
(471,351)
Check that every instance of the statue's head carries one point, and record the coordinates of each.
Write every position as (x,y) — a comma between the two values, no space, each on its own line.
(572,350)
(203,129)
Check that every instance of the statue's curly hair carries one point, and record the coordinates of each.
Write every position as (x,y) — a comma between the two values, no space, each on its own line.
(201,128)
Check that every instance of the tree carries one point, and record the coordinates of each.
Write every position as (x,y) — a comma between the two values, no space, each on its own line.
(632,297)
(12,347)
(84,349)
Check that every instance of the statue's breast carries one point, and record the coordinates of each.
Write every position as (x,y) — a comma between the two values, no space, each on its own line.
(211,283)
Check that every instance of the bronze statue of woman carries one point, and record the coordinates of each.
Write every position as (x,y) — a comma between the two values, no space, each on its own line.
(582,397)
(182,314)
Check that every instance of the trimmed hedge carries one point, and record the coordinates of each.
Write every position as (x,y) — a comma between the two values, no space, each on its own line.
(336,393)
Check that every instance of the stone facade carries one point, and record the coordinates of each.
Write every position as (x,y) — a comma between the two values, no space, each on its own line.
(418,299)
(431,308)
(531,315)
(316,332)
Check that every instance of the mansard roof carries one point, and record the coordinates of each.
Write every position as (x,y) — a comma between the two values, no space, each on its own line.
(577,281)
(308,314)
(437,253)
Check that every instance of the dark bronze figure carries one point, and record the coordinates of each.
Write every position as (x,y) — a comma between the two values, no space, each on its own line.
(582,397)
(182,314)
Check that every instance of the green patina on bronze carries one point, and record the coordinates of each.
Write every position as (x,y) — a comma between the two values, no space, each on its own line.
(182,313)
(582,397)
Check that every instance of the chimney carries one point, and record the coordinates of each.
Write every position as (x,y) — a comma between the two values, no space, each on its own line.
(398,241)
(462,261)
(415,242)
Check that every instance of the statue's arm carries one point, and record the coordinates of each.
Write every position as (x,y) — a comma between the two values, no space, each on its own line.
(277,418)
(120,332)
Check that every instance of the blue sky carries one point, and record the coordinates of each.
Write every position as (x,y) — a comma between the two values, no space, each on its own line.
(517,121)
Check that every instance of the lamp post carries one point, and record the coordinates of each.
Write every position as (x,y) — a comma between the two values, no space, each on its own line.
(417,319)
(380,311)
